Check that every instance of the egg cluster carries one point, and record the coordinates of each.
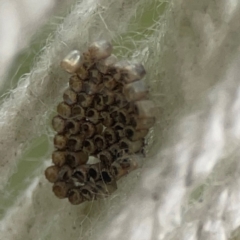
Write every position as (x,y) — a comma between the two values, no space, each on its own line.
(106,114)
